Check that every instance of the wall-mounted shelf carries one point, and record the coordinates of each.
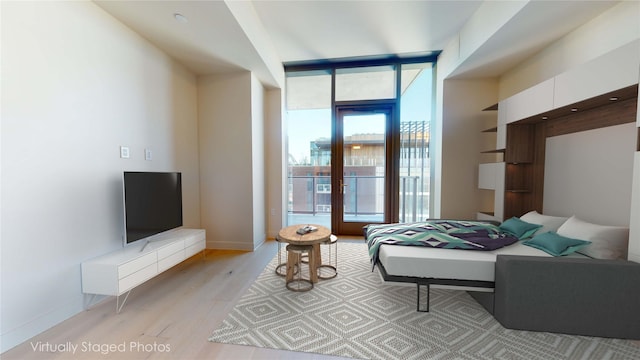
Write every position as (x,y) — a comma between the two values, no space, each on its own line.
(497,151)
(493,107)
(491,175)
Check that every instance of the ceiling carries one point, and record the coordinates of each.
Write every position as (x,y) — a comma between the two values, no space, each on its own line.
(213,41)
(311,30)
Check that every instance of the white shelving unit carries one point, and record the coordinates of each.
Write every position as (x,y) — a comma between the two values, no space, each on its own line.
(491,173)
(118,272)
(491,177)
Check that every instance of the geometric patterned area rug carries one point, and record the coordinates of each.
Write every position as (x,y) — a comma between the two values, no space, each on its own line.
(356,315)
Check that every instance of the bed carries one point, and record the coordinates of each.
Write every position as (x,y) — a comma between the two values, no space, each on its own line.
(430,263)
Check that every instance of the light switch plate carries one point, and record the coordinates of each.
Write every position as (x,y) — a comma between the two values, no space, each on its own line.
(124,152)
(148,155)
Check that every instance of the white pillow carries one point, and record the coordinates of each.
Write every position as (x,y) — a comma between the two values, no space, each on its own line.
(607,242)
(549,223)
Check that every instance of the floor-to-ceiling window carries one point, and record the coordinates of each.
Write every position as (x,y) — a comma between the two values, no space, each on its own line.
(308,120)
(416,113)
(358,143)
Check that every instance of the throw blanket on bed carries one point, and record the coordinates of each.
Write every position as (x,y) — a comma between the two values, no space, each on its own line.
(445,234)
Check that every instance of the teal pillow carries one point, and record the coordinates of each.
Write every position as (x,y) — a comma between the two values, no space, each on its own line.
(519,228)
(556,245)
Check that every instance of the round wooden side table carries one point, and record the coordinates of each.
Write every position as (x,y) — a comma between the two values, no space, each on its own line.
(315,238)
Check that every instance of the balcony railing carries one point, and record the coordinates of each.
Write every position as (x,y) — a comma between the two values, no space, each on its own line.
(310,199)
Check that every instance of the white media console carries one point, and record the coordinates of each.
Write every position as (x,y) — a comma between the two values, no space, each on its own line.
(118,272)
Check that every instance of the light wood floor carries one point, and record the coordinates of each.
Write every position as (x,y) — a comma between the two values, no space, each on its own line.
(169,317)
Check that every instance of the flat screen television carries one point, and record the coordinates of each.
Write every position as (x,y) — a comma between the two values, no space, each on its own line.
(152,203)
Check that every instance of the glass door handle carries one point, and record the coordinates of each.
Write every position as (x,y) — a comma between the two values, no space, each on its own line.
(342,186)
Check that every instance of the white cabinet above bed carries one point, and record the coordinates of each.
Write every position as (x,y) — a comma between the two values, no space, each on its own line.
(529,102)
(587,80)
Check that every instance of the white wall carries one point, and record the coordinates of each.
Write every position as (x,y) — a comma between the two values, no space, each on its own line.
(484,24)
(462,143)
(246,16)
(226,160)
(258,165)
(589,173)
(608,31)
(275,159)
(77,84)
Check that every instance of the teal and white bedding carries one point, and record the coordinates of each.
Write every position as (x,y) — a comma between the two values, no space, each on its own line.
(441,234)
(442,257)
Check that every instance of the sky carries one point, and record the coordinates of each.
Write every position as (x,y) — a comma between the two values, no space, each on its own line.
(305,126)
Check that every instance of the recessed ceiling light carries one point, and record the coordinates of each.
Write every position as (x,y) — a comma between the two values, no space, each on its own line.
(180,18)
